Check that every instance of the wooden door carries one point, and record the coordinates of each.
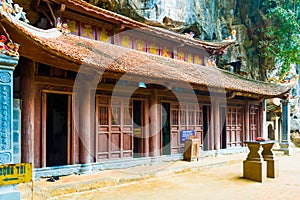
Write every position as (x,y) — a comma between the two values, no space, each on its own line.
(254,122)
(234,127)
(186,117)
(114,129)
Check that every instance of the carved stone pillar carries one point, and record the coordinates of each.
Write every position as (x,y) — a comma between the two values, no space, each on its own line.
(7,65)
(285,144)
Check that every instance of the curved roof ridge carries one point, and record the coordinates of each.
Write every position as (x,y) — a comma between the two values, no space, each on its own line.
(76,52)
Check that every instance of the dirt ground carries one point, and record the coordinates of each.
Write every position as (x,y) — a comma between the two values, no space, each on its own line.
(220,182)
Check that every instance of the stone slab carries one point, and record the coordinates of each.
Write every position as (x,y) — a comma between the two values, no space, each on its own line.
(9,192)
(255,170)
(272,168)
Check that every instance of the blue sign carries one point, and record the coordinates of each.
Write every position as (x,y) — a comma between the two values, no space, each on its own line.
(185,134)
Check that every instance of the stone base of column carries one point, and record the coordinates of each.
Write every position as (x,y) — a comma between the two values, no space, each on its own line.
(86,169)
(287,148)
(255,170)
(9,192)
(276,146)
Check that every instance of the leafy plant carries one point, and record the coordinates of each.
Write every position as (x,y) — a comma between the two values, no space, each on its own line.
(280,45)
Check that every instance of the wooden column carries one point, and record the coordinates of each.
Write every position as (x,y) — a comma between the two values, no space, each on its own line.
(217,125)
(211,128)
(75,130)
(37,146)
(27,68)
(247,122)
(146,130)
(154,124)
(262,119)
(85,151)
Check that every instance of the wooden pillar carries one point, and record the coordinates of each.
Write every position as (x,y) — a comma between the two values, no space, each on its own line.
(85,151)
(217,124)
(262,120)
(247,122)
(154,124)
(211,128)
(75,130)
(146,130)
(27,68)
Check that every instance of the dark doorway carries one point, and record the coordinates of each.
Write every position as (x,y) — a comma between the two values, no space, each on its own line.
(206,117)
(138,119)
(57,130)
(223,125)
(166,147)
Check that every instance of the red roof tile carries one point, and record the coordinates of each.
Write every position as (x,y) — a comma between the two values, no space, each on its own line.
(103,56)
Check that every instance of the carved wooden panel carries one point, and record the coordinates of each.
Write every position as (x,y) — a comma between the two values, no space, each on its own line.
(115,126)
(186,117)
(234,126)
(254,123)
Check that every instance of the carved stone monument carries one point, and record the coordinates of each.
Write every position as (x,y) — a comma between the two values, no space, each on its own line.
(7,65)
(286,144)
(254,167)
(261,162)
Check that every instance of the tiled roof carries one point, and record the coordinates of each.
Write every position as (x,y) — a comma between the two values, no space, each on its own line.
(84,7)
(98,55)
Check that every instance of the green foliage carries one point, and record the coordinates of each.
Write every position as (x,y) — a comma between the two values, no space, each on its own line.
(280,45)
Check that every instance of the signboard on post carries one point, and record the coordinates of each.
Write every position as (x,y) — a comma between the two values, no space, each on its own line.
(186,134)
(15,173)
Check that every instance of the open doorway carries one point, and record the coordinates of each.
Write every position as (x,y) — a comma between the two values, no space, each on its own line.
(206,117)
(224,128)
(138,119)
(57,107)
(166,139)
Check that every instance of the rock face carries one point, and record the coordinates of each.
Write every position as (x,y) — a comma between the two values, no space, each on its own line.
(211,20)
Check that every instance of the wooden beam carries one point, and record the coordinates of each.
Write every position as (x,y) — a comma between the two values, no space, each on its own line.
(51,11)
(53,81)
(47,16)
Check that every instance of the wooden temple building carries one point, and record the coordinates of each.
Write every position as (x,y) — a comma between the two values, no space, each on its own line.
(115,90)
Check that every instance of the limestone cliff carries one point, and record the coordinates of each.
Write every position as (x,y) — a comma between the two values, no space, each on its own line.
(211,20)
